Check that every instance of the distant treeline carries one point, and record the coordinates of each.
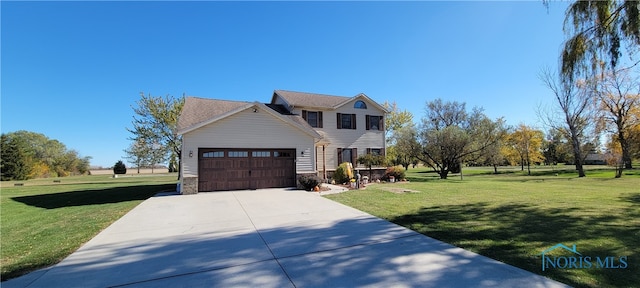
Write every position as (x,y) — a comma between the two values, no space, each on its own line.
(27,155)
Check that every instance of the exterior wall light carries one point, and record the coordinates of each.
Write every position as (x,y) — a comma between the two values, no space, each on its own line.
(190,153)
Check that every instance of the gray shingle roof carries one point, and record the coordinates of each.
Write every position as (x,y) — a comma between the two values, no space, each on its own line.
(197,110)
(302,99)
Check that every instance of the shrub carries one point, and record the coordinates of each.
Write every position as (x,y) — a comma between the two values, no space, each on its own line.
(119,168)
(396,171)
(369,160)
(309,182)
(341,175)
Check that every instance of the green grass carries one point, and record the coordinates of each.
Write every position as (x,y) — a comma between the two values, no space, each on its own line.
(512,217)
(42,222)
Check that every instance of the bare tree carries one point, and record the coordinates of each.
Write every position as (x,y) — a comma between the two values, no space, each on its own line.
(572,113)
(617,95)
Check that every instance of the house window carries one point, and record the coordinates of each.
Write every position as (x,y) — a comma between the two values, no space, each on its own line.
(314,118)
(216,154)
(360,105)
(346,121)
(238,153)
(347,155)
(375,151)
(260,154)
(374,123)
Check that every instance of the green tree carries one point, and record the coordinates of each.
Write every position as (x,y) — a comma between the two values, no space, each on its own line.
(406,147)
(158,154)
(156,121)
(173,163)
(493,156)
(395,120)
(555,148)
(49,151)
(450,135)
(370,160)
(15,161)
(119,168)
(596,31)
(71,163)
(49,157)
(137,153)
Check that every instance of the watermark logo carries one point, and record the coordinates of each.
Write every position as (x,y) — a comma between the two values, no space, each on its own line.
(576,260)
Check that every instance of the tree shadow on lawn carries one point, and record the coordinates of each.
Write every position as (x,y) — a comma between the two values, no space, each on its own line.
(516,234)
(633,198)
(352,252)
(93,197)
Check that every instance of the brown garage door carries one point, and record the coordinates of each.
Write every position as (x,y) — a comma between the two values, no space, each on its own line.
(237,169)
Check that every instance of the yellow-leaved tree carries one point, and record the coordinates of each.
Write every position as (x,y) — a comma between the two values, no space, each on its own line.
(524,143)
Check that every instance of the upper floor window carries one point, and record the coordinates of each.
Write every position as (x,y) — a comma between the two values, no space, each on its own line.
(346,121)
(360,105)
(314,118)
(374,123)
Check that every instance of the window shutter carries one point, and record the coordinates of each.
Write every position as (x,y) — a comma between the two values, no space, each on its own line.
(319,119)
(339,121)
(353,121)
(381,125)
(382,152)
(368,150)
(354,157)
(367,121)
(304,115)
(339,156)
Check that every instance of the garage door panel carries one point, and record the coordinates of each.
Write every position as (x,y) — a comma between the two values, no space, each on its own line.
(238,169)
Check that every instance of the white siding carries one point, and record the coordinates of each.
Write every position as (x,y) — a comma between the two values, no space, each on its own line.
(360,138)
(247,129)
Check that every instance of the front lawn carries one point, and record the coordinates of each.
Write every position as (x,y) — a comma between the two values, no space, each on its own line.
(43,221)
(512,218)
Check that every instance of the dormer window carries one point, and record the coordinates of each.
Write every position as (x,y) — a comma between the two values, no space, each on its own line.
(360,105)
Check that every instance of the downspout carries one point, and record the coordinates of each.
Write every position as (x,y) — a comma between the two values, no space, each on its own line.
(324,163)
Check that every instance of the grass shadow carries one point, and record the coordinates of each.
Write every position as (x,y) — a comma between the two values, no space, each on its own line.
(93,197)
(632,198)
(506,233)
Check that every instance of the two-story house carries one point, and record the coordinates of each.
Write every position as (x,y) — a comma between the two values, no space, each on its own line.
(233,145)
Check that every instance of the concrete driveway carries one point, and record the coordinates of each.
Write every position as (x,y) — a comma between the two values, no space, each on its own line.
(268,238)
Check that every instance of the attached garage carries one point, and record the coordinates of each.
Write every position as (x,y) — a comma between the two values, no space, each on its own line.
(237,169)
(231,145)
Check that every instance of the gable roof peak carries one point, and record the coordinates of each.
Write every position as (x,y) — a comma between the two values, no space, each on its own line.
(197,110)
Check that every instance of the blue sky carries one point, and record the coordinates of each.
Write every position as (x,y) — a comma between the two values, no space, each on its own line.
(72,70)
